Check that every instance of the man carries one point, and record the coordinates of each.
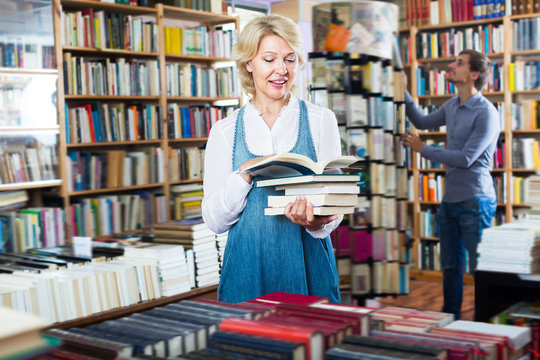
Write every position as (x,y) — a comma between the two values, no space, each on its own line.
(469,201)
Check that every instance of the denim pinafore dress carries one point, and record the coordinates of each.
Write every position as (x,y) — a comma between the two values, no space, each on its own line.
(270,253)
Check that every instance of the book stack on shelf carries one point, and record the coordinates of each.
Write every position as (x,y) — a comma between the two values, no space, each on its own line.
(187,199)
(364,88)
(201,248)
(171,265)
(512,248)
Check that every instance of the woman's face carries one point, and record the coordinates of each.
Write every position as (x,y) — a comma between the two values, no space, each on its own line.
(273,68)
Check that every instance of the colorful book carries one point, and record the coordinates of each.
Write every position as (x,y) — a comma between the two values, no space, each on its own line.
(278,297)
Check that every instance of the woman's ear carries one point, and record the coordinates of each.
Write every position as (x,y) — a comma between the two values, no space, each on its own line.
(248,66)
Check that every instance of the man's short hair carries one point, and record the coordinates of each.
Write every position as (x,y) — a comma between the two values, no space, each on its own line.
(480,63)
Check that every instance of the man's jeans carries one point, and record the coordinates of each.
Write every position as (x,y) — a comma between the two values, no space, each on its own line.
(461,225)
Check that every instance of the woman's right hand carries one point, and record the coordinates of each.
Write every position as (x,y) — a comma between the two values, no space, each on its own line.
(251,162)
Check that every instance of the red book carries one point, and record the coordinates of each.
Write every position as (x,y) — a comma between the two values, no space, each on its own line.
(362,245)
(361,322)
(496,346)
(278,297)
(329,331)
(313,340)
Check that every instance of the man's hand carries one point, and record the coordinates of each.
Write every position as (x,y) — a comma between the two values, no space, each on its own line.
(411,140)
(249,163)
(301,212)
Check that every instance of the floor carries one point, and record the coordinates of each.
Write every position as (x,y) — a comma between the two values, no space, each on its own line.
(425,295)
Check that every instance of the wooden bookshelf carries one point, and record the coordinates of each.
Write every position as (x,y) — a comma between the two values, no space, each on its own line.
(161,16)
(207,292)
(507,97)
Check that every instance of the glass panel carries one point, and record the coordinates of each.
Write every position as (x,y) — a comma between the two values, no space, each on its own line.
(28,100)
(26,34)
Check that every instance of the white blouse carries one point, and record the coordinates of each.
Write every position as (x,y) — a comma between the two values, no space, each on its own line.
(225,191)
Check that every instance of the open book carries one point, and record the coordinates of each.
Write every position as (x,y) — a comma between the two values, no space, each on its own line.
(290,164)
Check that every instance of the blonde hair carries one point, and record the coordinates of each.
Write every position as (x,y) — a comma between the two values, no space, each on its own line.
(248,44)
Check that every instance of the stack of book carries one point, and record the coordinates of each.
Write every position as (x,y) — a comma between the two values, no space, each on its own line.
(221,242)
(171,265)
(531,195)
(411,320)
(512,247)
(200,245)
(187,200)
(299,176)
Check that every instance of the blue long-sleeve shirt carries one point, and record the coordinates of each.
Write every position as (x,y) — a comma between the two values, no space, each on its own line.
(472,131)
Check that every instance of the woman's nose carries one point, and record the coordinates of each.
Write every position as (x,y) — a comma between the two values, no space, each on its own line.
(280,68)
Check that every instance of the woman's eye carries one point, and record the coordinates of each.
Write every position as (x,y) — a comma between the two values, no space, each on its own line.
(291,60)
(268,60)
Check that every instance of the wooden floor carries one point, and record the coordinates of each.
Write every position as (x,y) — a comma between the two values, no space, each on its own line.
(426,295)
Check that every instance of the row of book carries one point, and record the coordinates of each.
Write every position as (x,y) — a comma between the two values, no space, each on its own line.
(214,6)
(31,227)
(374,144)
(429,256)
(487,39)
(355,74)
(529,29)
(428,225)
(186,200)
(200,41)
(114,168)
(194,80)
(435,82)
(512,247)
(525,115)
(113,214)
(110,76)
(191,121)
(434,12)
(374,211)
(103,30)
(186,163)
(24,159)
(526,153)
(430,187)
(524,75)
(107,122)
(522,189)
(18,54)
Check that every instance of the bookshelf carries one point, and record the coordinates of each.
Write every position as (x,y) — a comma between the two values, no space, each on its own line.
(29,128)
(120,85)
(502,44)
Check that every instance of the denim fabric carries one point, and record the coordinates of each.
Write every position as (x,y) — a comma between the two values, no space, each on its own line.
(270,253)
(461,225)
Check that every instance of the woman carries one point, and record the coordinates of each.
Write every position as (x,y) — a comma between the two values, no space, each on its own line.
(290,253)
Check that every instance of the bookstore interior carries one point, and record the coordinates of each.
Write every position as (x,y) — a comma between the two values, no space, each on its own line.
(106,108)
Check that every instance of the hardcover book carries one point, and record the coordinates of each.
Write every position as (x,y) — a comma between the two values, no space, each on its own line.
(316,200)
(290,298)
(317,210)
(311,180)
(290,164)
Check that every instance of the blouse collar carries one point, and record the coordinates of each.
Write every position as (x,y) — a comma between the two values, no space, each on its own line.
(251,109)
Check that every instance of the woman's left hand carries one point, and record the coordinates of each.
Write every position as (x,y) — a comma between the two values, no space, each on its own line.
(301,212)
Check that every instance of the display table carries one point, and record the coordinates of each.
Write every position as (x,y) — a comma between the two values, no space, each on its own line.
(496,291)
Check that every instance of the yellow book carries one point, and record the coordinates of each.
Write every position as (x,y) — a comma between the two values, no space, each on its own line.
(511,76)
(167,40)
(536,157)
(518,181)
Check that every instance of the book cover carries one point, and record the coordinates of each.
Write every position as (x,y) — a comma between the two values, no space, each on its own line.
(313,180)
(313,340)
(436,352)
(290,298)
(317,210)
(316,200)
(263,347)
(291,164)
(337,38)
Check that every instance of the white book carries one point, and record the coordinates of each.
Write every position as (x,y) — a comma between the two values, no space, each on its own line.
(317,210)
(350,189)
(316,200)
(518,336)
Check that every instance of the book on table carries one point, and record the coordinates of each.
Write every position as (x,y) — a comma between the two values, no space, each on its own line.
(290,164)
